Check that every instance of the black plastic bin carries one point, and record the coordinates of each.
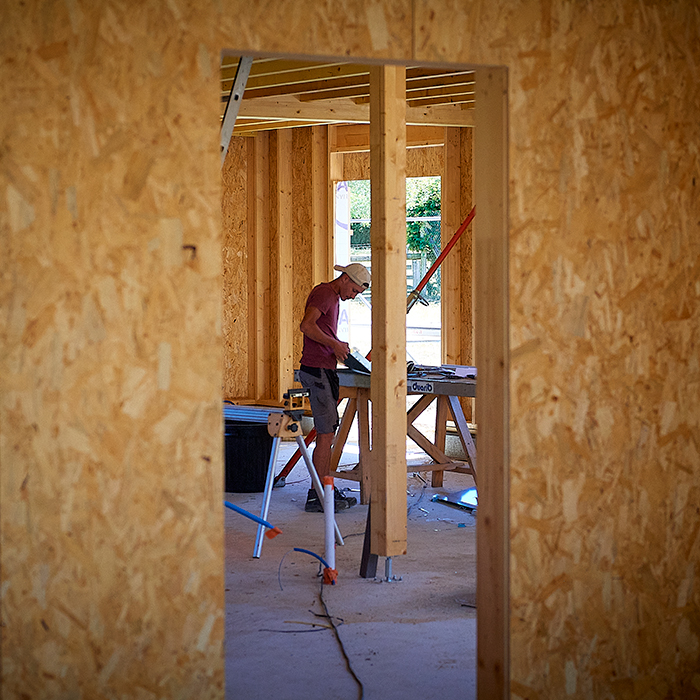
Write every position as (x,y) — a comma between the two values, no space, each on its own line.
(248,449)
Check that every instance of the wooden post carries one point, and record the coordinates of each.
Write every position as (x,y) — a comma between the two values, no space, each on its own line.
(388,386)
(450,273)
(466,255)
(492,406)
(258,265)
(282,253)
(322,241)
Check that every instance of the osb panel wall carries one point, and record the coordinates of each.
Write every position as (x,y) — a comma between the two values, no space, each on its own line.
(110,499)
(110,393)
(375,29)
(605,323)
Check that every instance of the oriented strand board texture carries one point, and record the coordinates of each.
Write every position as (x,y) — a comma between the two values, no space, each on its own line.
(605,335)
(378,29)
(110,439)
(110,391)
(297,222)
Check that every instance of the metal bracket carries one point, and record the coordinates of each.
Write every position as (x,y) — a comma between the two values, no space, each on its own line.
(388,578)
(234,103)
(283,425)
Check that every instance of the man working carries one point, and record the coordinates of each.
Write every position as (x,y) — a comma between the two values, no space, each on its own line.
(320,356)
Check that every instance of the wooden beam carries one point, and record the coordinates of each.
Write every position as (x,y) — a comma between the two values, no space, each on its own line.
(492,406)
(451,214)
(420,82)
(258,266)
(345,110)
(321,207)
(355,84)
(288,107)
(282,252)
(299,73)
(465,100)
(348,138)
(250,127)
(280,76)
(388,385)
(442,115)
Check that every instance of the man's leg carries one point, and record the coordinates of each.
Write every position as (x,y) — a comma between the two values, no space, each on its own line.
(322,454)
(324,406)
(322,463)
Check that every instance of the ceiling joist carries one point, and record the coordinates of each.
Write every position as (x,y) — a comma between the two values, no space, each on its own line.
(283,93)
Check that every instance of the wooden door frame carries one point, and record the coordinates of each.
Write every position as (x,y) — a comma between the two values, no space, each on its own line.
(492,404)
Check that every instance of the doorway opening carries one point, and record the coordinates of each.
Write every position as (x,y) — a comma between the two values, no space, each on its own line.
(490,309)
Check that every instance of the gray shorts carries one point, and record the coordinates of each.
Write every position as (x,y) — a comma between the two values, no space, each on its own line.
(323,400)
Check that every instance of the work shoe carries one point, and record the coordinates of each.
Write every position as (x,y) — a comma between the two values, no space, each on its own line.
(341,501)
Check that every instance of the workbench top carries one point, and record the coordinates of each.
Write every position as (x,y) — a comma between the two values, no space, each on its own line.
(417,383)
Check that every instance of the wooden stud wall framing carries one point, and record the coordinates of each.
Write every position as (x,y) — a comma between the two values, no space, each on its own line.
(466,248)
(310,213)
(259,282)
(283,245)
(322,193)
(466,255)
(451,301)
(388,390)
(282,265)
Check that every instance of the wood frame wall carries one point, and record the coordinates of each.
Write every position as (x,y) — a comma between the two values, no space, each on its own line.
(321,156)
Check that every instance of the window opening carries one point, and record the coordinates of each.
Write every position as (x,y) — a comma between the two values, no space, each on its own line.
(423,245)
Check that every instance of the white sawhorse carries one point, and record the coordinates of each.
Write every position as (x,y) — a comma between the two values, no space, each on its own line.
(279,425)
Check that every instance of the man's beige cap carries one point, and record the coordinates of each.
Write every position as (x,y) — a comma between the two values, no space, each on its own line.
(358,273)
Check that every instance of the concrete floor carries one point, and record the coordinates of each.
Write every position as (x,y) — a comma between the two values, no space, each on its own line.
(413,638)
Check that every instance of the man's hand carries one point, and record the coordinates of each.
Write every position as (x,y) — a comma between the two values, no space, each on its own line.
(341,350)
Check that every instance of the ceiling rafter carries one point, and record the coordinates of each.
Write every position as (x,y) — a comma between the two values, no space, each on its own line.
(281,93)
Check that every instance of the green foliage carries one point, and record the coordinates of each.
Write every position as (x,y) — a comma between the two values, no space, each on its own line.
(422,199)
(422,237)
(360,208)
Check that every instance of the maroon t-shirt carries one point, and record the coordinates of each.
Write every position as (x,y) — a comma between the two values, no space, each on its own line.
(327,301)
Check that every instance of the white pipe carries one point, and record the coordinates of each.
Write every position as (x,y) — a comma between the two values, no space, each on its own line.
(317,482)
(329,514)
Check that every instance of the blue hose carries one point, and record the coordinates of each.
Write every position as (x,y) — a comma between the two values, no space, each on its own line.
(254,518)
(313,554)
